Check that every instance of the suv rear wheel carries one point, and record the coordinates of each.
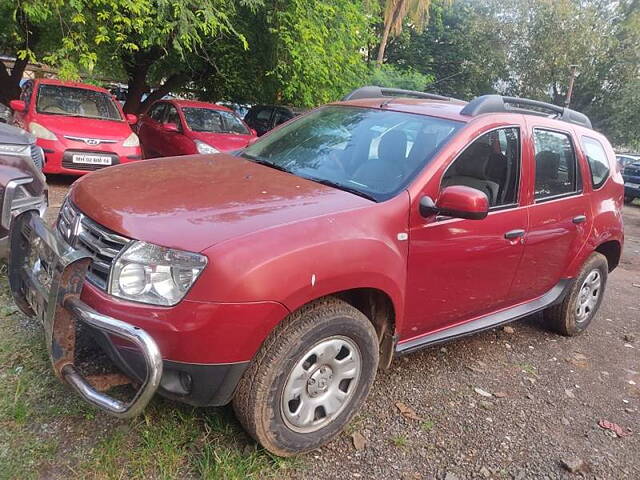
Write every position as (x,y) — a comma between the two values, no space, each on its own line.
(574,314)
(309,378)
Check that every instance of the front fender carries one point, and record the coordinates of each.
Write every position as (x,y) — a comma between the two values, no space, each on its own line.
(296,263)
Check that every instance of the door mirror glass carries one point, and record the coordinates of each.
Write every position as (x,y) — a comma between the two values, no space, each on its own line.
(457,201)
(18,105)
(170,127)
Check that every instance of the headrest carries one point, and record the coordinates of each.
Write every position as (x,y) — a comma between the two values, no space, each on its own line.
(547,164)
(393,146)
(473,162)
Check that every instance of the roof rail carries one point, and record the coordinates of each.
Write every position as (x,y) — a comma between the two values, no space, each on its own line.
(499,103)
(372,91)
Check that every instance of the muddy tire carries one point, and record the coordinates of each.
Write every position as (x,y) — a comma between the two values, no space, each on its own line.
(309,378)
(575,313)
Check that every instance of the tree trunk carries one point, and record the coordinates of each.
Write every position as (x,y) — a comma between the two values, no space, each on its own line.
(383,43)
(170,83)
(388,25)
(137,66)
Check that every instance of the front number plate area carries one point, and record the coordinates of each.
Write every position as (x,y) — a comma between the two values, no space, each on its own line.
(43,272)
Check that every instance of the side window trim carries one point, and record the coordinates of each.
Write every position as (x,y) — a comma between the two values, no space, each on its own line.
(496,208)
(578,180)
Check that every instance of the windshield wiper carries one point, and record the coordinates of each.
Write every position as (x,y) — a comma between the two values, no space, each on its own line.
(345,188)
(264,162)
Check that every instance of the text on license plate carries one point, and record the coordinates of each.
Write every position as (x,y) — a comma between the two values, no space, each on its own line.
(632,185)
(92,159)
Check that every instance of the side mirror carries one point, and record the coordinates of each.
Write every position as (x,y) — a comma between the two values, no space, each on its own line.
(457,201)
(253,132)
(131,118)
(252,141)
(17,105)
(170,127)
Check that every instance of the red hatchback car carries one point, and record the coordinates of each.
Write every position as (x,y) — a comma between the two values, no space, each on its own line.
(80,127)
(280,278)
(184,127)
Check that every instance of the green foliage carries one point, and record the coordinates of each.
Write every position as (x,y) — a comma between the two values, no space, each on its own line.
(317,49)
(459,49)
(394,77)
(301,52)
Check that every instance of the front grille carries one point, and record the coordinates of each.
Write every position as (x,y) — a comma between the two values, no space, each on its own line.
(37,156)
(67,160)
(83,233)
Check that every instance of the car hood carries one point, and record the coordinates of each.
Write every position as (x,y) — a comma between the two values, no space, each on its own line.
(193,202)
(63,125)
(15,136)
(225,142)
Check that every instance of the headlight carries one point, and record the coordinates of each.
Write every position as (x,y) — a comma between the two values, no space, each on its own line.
(41,132)
(14,149)
(205,147)
(132,141)
(152,274)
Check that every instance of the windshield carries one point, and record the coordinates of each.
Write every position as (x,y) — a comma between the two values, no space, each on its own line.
(374,153)
(76,102)
(215,121)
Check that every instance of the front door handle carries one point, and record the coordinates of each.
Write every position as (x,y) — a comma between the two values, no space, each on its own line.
(511,234)
(579,219)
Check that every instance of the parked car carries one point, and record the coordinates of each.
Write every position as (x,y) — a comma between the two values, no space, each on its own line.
(631,176)
(263,118)
(281,277)
(625,159)
(22,184)
(5,114)
(80,127)
(184,127)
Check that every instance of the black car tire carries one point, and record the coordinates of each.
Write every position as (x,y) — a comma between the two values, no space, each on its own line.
(260,400)
(565,318)
(628,199)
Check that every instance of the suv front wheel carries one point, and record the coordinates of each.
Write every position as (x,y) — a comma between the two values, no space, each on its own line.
(309,378)
(574,314)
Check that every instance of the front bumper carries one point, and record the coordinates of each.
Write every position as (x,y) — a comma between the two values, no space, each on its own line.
(58,156)
(46,277)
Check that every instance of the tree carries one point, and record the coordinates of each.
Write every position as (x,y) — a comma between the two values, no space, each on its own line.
(143,41)
(460,50)
(24,28)
(301,52)
(395,13)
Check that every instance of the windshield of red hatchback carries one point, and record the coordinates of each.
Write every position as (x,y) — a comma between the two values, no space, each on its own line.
(76,102)
(213,121)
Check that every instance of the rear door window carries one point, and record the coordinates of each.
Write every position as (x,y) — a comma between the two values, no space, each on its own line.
(597,159)
(556,165)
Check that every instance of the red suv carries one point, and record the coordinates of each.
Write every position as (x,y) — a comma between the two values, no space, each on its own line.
(80,127)
(184,127)
(281,278)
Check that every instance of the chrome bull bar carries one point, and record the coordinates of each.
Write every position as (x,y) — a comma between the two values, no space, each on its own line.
(46,276)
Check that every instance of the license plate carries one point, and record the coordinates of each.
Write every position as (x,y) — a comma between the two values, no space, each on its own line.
(92,159)
(632,185)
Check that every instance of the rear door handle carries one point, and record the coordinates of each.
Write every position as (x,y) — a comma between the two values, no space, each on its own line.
(579,219)
(511,234)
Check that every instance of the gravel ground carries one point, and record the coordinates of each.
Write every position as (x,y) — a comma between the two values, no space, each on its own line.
(514,403)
